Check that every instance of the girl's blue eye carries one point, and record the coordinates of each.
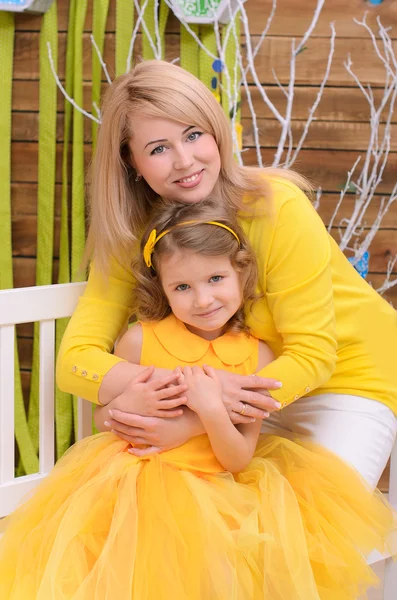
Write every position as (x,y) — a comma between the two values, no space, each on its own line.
(192,137)
(158,150)
(182,287)
(216,278)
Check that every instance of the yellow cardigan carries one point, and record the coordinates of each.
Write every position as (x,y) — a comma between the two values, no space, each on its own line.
(329,330)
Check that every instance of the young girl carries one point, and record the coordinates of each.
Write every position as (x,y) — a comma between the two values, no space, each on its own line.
(213,519)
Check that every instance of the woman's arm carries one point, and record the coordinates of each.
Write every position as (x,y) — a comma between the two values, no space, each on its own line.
(85,363)
(294,257)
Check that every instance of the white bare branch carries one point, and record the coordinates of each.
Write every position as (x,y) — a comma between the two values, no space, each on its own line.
(343,193)
(134,36)
(59,84)
(290,161)
(316,15)
(99,55)
(370,177)
(388,283)
(140,13)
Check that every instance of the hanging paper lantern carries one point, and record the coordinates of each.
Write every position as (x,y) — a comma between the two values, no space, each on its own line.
(35,6)
(204,11)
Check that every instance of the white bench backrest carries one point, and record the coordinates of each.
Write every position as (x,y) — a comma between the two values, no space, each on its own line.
(42,304)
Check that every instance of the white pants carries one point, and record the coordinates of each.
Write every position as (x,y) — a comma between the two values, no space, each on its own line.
(359,430)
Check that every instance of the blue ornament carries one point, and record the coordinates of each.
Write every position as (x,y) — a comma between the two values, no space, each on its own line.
(217,66)
(375,1)
(362,265)
(214,83)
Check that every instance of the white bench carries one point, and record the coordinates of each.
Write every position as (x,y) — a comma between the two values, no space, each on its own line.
(45,304)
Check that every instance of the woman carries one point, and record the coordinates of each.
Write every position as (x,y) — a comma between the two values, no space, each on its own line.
(334,378)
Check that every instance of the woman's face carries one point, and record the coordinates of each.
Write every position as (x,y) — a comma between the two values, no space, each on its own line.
(179,161)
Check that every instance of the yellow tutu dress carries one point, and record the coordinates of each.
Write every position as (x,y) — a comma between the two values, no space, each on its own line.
(296,524)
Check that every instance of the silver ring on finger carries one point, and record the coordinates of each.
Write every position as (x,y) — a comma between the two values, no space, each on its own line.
(242,411)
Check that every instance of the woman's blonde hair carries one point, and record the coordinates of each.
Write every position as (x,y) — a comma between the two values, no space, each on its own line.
(150,302)
(118,205)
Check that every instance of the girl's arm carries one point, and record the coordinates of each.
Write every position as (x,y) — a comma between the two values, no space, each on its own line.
(233,446)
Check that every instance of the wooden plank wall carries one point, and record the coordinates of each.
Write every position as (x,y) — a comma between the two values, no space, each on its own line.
(336,138)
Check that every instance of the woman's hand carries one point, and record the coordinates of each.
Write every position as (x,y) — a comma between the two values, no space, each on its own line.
(161,397)
(204,388)
(246,396)
(157,433)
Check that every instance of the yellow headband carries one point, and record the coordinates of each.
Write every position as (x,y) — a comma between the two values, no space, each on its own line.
(154,238)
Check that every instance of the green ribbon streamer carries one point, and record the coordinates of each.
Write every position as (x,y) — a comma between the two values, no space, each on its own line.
(148,18)
(78,191)
(124,29)
(208,38)
(46,192)
(100,13)
(164,12)
(6,62)
(63,400)
(231,52)
(29,462)
(147,50)
(190,50)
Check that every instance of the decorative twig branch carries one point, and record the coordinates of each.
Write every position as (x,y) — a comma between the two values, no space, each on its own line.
(366,183)
(99,55)
(134,36)
(59,84)
(141,13)
(388,283)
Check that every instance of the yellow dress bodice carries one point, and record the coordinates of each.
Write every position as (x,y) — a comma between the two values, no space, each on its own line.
(168,344)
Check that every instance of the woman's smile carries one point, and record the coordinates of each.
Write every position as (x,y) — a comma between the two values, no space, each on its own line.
(192,180)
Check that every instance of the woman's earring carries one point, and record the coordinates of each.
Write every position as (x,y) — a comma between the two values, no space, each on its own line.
(138,177)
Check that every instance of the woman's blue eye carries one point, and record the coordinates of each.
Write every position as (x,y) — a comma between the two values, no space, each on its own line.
(182,287)
(158,150)
(192,137)
(216,278)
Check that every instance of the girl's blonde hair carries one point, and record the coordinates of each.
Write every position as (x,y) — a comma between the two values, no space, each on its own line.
(150,302)
(119,206)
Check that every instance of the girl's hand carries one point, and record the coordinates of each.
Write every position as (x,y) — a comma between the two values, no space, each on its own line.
(204,388)
(161,397)
(248,392)
(158,434)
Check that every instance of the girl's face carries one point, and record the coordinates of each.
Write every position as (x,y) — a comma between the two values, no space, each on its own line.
(179,161)
(204,292)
